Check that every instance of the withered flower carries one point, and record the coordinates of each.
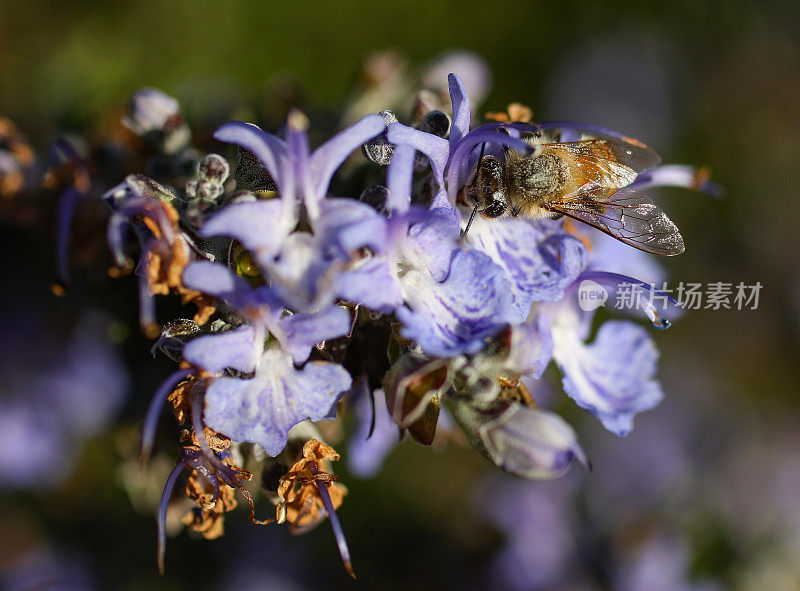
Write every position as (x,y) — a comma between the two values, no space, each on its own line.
(307,488)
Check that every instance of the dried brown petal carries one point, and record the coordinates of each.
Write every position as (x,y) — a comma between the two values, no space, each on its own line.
(302,504)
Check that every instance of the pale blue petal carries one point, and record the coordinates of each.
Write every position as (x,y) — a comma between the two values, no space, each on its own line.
(454,316)
(268,148)
(436,149)
(261,410)
(613,377)
(216,280)
(234,349)
(539,267)
(399,178)
(330,155)
(304,331)
(461,114)
(371,284)
(350,225)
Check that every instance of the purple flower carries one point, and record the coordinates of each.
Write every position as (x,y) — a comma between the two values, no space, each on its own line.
(539,266)
(614,376)
(301,176)
(528,261)
(262,409)
(307,271)
(297,333)
(454,316)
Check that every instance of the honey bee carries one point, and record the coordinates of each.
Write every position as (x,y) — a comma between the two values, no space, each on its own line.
(585,180)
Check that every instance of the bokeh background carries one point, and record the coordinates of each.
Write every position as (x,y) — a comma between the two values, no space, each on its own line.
(704,494)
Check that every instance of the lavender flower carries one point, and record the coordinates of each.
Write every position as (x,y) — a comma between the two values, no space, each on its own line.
(306,299)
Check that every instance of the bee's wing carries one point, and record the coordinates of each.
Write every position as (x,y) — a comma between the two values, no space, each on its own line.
(606,162)
(627,216)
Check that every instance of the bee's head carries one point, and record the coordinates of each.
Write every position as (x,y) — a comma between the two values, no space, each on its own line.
(485,189)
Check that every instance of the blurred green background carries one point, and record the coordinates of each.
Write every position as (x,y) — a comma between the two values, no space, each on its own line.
(712,83)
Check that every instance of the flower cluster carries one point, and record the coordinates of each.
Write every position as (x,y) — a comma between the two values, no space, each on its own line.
(309,302)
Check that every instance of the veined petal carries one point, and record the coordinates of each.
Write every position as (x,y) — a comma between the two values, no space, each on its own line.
(262,409)
(454,316)
(613,377)
(539,267)
(433,239)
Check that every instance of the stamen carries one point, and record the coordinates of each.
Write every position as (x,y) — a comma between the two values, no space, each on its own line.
(66,211)
(151,418)
(614,280)
(147,309)
(338,533)
(162,513)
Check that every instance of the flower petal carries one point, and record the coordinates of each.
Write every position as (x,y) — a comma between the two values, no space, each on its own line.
(435,148)
(461,115)
(260,226)
(330,155)
(233,349)
(303,331)
(371,284)
(351,225)
(454,316)
(399,178)
(262,409)
(538,267)
(217,280)
(268,148)
(614,377)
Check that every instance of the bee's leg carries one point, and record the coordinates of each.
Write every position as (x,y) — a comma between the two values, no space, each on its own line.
(555,215)
(514,211)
